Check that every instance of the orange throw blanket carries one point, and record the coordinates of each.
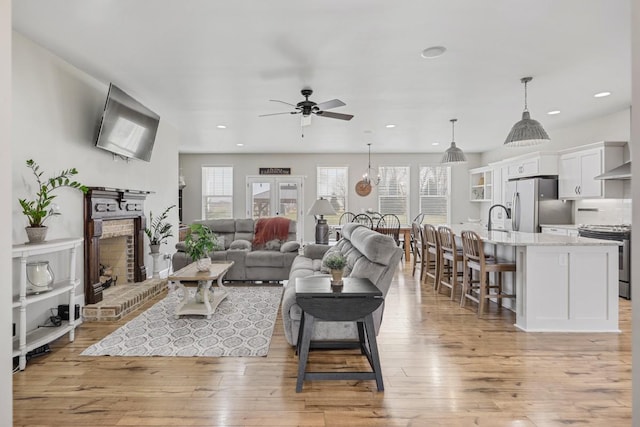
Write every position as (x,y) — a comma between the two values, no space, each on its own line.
(271,228)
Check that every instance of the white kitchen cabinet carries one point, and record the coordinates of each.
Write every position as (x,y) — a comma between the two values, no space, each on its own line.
(29,340)
(578,167)
(533,164)
(481,184)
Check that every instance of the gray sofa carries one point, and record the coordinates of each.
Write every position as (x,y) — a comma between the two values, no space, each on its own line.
(369,255)
(271,263)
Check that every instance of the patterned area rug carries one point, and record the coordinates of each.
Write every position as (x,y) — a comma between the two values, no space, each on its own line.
(242,325)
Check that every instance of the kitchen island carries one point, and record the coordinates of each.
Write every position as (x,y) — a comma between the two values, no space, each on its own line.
(562,283)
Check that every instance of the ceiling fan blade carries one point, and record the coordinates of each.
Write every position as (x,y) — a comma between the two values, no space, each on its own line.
(282,102)
(335,115)
(305,120)
(334,103)
(276,114)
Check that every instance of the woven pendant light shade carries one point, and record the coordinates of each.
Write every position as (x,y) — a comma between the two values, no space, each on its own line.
(527,131)
(453,153)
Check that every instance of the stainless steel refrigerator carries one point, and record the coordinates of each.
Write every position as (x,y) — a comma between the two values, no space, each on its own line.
(534,201)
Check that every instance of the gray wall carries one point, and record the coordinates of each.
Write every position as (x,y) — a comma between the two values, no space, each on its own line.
(306,164)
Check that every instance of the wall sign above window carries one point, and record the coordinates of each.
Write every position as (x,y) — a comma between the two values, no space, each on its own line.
(275,171)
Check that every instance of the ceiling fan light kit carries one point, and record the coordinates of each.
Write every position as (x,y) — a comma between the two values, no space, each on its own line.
(527,131)
(307,108)
(453,154)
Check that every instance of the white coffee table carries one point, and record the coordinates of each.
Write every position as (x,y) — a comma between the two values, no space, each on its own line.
(189,276)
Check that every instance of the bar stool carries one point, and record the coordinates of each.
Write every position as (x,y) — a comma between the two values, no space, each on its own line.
(432,255)
(418,249)
(475,259)
(451,276)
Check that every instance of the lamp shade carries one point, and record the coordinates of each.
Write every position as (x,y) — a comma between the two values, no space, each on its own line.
(321,207)
(453,154)
(526,132)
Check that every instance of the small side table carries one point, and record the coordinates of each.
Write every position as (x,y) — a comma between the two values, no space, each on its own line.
(189,276)
(356,301)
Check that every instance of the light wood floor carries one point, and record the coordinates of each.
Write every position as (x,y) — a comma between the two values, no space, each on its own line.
(441,366)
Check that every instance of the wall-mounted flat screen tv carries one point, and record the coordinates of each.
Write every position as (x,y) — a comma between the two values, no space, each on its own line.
(128,128)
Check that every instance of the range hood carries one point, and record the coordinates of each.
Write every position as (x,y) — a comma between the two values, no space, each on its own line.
(621,172)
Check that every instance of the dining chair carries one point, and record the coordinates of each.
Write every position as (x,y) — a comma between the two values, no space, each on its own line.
(389,224)
(363,219)
(452,259)
(476,260)
(418,249)
(346,218)
(432,255)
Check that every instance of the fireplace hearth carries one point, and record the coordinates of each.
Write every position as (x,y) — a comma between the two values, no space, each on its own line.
(105,212)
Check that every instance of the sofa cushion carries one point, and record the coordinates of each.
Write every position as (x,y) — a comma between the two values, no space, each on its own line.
(290,247)
(244,225)
(264,259)
(273,245)
(240,244)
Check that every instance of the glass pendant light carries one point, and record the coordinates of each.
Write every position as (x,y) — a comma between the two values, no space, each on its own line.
(453,153)
(527,131)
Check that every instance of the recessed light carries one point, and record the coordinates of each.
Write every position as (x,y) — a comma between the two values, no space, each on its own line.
(389,126)
(239,145)
(553,113)
(435,143)
(601,94)
(433,52)
(221,127)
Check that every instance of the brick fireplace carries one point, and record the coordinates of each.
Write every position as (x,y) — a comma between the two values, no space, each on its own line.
(114,223)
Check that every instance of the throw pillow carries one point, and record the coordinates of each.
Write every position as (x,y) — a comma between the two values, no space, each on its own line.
(241,244)
(290,246)
(273,245)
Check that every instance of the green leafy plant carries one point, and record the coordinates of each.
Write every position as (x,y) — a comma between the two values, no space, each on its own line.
(40,209)
(159,230)
(335,261)
(200,241)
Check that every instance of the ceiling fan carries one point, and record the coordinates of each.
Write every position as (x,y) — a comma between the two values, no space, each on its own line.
(307,108)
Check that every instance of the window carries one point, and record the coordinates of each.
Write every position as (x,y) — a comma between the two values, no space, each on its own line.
(393,192)
(217,192)
(434,194)
(332,185)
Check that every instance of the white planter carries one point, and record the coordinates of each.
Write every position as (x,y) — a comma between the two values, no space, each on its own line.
(203,264)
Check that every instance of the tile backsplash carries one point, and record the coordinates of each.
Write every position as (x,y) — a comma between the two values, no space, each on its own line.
(602,211)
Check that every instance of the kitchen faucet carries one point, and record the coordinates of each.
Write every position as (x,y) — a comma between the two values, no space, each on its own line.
(491,209)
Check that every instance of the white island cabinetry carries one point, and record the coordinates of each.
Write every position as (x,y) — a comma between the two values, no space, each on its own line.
(26,341)
(563,283)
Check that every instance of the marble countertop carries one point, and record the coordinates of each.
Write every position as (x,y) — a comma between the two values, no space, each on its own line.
(518,238)
(566,226)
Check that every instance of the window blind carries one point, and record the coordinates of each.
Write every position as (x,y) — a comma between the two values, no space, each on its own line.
(217,192)
(332,185)
(393,192)
(434,194)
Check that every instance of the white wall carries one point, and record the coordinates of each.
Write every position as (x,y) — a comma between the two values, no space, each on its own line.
(6,380)
(56,114)
(306,164)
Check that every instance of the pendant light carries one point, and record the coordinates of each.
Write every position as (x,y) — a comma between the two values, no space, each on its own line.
(453,153)
(527,131)
(368,176)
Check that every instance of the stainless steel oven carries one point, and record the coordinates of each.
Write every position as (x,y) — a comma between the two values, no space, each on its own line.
(620,233)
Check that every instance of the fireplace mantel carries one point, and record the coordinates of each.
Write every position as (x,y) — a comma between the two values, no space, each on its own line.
(105,204)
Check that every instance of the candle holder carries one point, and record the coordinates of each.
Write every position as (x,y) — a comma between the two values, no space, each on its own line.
(40,277)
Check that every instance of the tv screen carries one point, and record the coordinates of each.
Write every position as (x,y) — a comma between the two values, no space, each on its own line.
(128,128)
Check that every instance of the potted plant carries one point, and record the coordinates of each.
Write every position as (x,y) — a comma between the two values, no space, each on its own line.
(336,263)
(159,230)
(199,242)
(41,208)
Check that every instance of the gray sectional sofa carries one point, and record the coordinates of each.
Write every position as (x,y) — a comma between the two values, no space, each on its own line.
(369,255)
(269,263)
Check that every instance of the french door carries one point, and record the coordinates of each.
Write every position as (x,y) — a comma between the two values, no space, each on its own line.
(269,196)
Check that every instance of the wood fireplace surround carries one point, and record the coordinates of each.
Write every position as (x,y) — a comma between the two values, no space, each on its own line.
(105,204)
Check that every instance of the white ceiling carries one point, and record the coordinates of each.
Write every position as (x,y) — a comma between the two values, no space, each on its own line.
(202,63)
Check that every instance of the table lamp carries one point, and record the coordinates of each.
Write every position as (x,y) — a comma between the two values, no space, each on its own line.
(320,208)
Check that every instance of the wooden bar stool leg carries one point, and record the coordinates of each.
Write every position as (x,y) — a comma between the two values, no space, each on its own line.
(465,285)
(483,293)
